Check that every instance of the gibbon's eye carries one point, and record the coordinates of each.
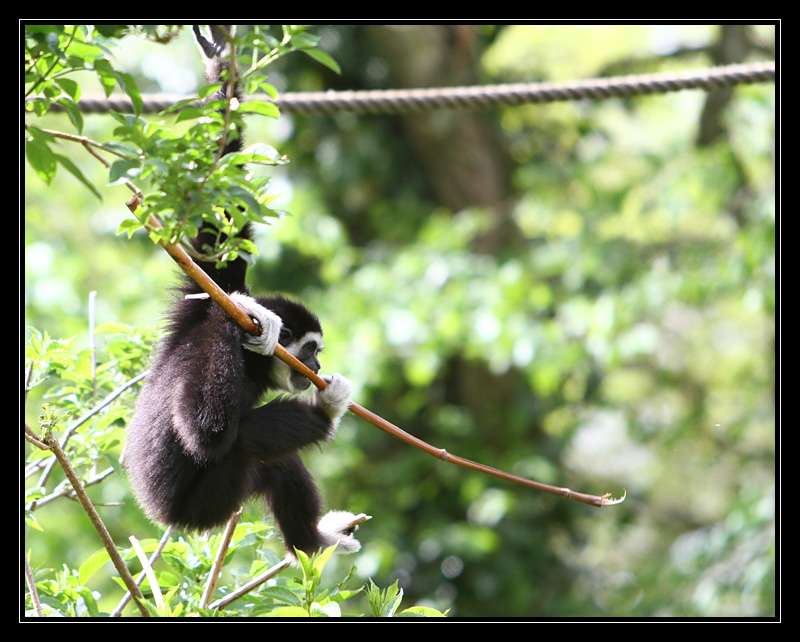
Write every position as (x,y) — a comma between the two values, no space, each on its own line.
(286,334)
(310,347)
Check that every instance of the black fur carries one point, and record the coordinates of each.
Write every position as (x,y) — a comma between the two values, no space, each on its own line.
(197,446)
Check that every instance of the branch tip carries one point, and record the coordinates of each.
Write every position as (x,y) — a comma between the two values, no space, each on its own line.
(609,500)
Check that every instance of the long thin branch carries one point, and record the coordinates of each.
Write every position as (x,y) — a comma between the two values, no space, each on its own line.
(252,584)
(219,560)
(98,524)
(37,604)
(237,314)
(148,571)
(140,578)
(65,491)
(86,142)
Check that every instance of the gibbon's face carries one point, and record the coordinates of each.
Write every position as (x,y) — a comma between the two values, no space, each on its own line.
(301,335)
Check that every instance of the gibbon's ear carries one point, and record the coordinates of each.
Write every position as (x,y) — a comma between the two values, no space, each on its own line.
(219,39)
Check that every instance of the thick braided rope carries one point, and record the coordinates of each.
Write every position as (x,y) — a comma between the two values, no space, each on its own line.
(401,101)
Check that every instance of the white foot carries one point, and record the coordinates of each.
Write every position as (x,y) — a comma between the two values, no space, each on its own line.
(337,527)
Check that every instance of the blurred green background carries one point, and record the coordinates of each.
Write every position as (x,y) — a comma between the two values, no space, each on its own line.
(582,293)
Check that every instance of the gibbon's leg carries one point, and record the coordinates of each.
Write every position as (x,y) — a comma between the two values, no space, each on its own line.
(294,500)
(281,427)
(213,492)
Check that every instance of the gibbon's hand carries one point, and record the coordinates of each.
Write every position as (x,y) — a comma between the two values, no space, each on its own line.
(335,527)
(335,399)
(270,325)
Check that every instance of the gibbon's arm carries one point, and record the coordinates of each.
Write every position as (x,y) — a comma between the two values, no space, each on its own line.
(208,375)
(207,407)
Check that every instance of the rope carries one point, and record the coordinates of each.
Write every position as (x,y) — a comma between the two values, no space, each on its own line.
(402,101)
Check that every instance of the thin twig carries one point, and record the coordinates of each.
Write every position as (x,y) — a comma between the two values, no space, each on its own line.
(34,439)
(140,578)
(219,560)
(98,524)
(230,89)
(92,345)
(63,490)
(87,142)
(37,604)
(252,584)
(48,464)
(148,571)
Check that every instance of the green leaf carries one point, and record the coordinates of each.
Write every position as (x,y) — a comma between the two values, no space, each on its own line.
(129,226)
(187,113)
(394,595)
(84,50)
(70,87)
(324,58)
(259,107)
(329,609)
(42,160)
(270,90)
(105,73)
(420,611)
(30,520)
(128,150)
(322,559)
(92,564)
(73,169)
(287,611)
(128,85)
(305,40)
(207,90)
(73,112)
(123,169)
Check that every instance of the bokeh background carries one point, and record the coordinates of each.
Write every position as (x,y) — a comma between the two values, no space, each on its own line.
(582,293)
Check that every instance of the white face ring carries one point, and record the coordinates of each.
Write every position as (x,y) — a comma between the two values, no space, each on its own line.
(283,373)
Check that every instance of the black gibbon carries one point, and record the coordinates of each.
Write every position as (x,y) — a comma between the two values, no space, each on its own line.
(197,447)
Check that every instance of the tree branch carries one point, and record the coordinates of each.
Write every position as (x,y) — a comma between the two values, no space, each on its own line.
(64,490)
(87,142)
(98,524)
(148,571)
(37,604)
(252,584)
(153,558)
(219,560)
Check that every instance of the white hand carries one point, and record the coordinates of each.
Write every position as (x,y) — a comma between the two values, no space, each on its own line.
(336,397)
(270,325)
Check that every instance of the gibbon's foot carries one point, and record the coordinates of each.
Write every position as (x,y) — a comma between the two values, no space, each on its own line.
(337,527)
(270,325)
(335,399)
